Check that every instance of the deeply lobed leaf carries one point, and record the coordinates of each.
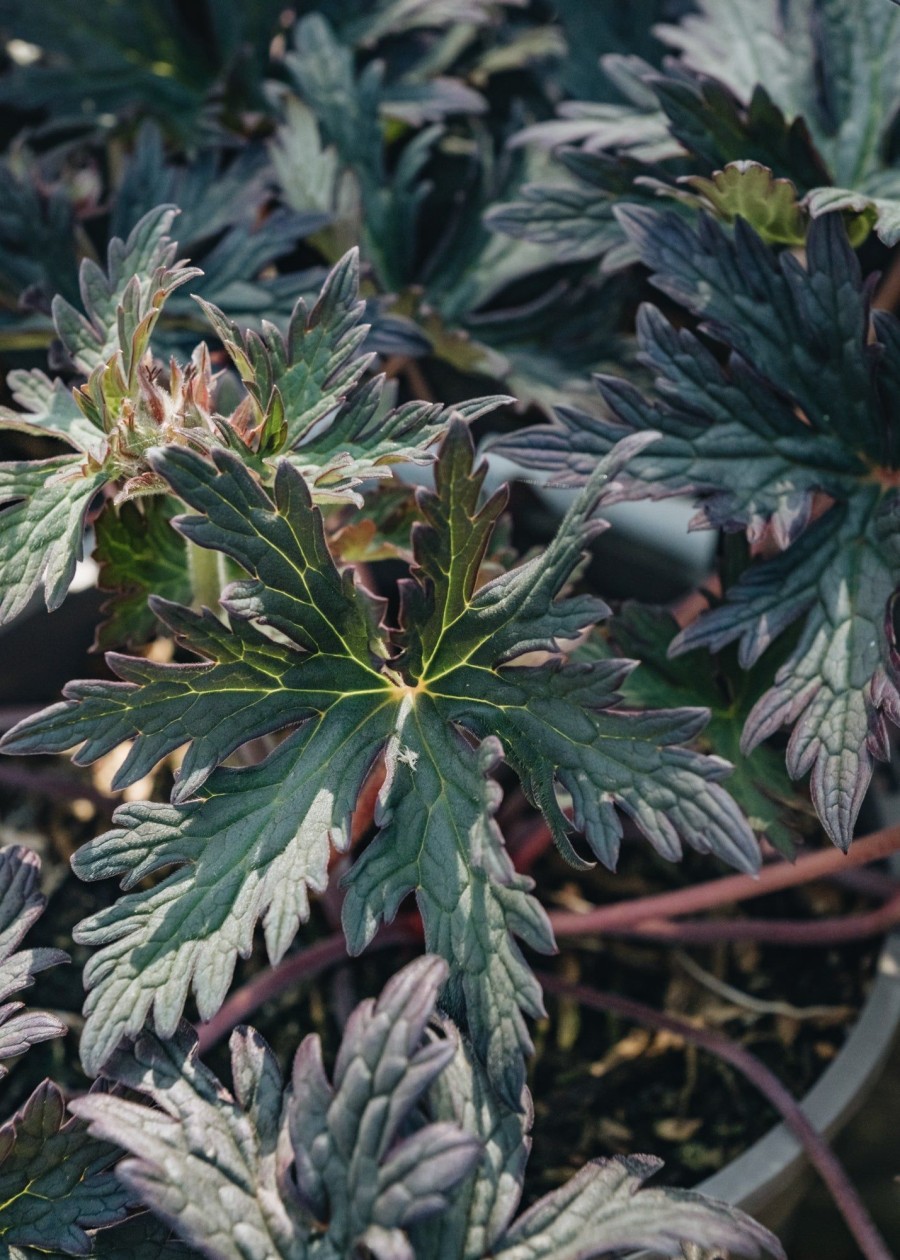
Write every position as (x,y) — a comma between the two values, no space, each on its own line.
(305,398)
(21,903)
(804,90)
(759,783)
(303,650)
(44,506)
(55,1180)
(794,440)
(316,1170)
(407,1152)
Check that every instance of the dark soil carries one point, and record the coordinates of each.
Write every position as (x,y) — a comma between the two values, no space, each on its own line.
(603,1086)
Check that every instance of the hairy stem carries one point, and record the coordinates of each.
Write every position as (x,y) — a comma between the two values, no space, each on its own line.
(207,574)
(820,1155)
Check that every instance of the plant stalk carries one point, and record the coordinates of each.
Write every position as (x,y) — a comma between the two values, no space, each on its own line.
(640,916)
(733,888)
(790,932)
(207,574)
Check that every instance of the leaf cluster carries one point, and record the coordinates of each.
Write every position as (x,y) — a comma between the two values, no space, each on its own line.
(793,440)
(380,126)
(406,1152)
(56,1183)
(306,398)
(224,423)
(773,112)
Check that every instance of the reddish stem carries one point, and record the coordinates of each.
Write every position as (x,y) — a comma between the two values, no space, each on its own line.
(364,812)
(304,965)
(820,1155)
(733,888)
(641,917)
(790,932)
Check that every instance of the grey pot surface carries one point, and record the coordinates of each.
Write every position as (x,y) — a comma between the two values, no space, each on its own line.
(771,1177)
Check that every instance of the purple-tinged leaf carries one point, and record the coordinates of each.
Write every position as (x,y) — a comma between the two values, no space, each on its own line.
(220,1168)
(604,1211)
(21,903)
(55,1180)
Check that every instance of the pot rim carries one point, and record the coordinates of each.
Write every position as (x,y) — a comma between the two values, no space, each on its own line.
(753,1179)
(772,1166)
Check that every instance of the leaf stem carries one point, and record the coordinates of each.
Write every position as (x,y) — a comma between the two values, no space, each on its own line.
(642,916)
(207,573)
(790,932)
(820,1155)
(732,888)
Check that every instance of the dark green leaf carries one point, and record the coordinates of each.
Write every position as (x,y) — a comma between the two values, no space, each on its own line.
(807,88)
(219,1168)
(835,63)
(21,903)
(149,57)
(801,411)
(303,649)
(759,783)
(55,1180)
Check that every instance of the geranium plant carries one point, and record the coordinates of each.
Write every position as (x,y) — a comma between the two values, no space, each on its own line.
(335,680)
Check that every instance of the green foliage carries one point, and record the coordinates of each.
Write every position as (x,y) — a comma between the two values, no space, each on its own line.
(759,782)
(305,399)
(21,903)
(48,222)
(390,128)
(55,1181)
(147,57)
(794,440)
(304,648)
(408,185)
(340,1137)
(405,1153)
(139,555)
